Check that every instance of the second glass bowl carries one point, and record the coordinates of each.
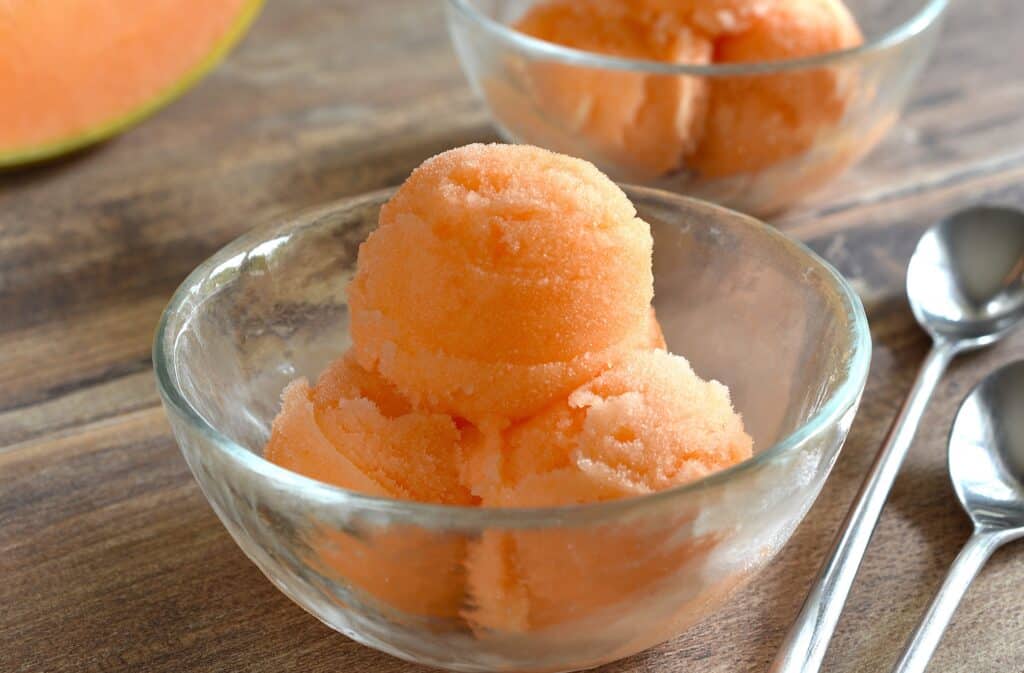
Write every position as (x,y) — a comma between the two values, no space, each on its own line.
(796,124)
(477,589)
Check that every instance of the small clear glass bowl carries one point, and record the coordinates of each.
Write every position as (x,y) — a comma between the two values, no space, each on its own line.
(478,589)
(790,128)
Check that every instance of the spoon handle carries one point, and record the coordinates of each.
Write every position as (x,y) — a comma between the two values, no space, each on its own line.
(922,644)
(805,645)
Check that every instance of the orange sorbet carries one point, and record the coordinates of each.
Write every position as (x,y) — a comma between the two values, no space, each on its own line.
(713,17)
(505,353)
(402,570)
(646,424)
(648,125)
(558,579)
(501,277)
(643,122)
(759,120)
(356,431)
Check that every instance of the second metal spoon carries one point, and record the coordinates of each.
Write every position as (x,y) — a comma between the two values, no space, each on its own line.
(986,465)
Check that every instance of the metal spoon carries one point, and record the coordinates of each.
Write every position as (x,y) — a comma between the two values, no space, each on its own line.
(986,464)
(965,284)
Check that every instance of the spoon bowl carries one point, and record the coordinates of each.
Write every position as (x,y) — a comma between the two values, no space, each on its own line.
(965,281)
(986,450)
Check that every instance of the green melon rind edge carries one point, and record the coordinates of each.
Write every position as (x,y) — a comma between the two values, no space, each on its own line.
(108,129)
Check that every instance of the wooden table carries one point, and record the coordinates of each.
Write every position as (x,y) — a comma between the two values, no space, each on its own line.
(110,559)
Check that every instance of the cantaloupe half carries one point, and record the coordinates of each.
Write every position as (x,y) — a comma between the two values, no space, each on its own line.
(74,72)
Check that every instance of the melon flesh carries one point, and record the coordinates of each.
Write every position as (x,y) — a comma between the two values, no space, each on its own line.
(73,72)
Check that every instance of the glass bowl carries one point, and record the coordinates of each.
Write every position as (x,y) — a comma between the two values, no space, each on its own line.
(783,129)
(480,589)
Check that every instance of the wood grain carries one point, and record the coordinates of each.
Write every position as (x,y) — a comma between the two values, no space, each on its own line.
(111,560)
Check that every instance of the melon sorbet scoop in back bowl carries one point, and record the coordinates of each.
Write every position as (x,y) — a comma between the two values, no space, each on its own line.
(750,103)
(487,455)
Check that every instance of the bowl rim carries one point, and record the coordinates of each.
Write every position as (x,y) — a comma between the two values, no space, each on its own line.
(343,501)
(930,13)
